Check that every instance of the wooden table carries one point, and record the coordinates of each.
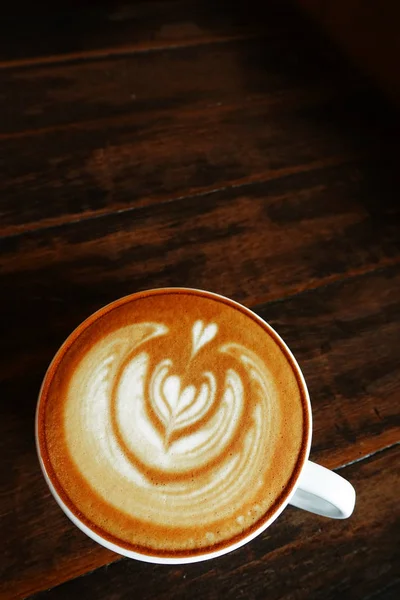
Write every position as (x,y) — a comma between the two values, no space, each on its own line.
(218,146)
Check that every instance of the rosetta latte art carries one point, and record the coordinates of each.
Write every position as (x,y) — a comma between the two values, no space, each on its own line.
(171,431)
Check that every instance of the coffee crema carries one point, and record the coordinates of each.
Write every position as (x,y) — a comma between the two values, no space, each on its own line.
(173,423)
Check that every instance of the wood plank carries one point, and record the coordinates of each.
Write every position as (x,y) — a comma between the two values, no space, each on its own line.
(49,33)
(178,78)
(212,117)
(199,120)
(93,169)
(345,336)
(300,556)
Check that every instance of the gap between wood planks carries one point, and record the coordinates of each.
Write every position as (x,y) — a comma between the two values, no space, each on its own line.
(154,26)
(367,456)
(238,184)
(143,48)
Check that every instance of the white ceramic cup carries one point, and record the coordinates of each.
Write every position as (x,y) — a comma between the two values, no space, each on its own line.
(316,489)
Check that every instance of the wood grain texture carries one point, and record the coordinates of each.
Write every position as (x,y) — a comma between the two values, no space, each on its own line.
(111,135)
(345,336)
(128,132)
(144,128)
(177,78)
(46,33)
(299,556)
(207,144)
(96,169)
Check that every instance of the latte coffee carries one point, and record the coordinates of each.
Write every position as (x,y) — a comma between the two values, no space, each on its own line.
(173,423)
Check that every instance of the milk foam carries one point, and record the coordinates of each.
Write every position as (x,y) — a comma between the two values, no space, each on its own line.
(167,443)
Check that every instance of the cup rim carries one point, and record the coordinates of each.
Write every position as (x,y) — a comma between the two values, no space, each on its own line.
(265,521)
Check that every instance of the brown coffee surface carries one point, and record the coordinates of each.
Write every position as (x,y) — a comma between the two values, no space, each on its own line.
(173,422)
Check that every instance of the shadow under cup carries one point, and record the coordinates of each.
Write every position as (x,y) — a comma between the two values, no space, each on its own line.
(173,426)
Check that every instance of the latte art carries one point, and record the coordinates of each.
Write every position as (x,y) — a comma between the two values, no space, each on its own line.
(173,428)
(149,424)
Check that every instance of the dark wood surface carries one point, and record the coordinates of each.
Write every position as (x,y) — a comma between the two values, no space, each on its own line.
(224,147)
(368,32)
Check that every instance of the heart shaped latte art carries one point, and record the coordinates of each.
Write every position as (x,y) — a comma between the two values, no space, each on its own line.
(181,423)
(178,408)
(170,426)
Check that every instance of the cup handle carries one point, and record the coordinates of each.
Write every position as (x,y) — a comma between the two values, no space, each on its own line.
(323,492)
